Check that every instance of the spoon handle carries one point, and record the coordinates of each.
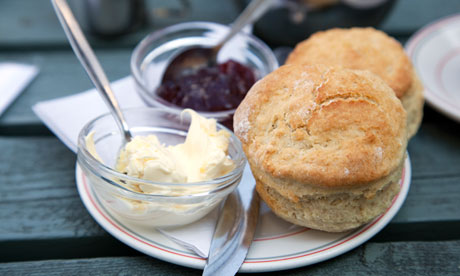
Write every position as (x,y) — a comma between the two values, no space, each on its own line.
(251,13)
(89,61)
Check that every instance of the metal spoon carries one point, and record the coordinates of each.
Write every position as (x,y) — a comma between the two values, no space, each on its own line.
(91,64)
(196,57)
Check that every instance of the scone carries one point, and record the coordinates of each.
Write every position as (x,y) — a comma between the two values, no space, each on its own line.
(325,145)
(367,49)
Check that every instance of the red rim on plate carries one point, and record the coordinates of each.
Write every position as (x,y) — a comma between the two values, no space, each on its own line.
(439,97)
(160,247)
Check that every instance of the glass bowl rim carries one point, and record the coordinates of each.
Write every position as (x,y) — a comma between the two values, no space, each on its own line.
(217,184)
(145,42)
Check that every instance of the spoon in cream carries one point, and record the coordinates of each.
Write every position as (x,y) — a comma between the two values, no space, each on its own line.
(90,62)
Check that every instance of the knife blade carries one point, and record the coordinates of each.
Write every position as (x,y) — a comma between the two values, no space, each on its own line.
(233,234)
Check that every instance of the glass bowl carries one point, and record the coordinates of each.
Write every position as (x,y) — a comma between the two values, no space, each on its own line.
(153,53)
(168,204)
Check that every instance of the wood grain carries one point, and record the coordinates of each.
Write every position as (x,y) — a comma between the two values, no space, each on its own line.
(38,196)
(39,201)
(60,75)
(46,230)
(398,258)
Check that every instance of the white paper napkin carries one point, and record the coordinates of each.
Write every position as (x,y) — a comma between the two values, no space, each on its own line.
(14,77)
(196,236)
(66,116)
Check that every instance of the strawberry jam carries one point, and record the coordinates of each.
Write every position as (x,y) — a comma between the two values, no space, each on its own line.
(215,88)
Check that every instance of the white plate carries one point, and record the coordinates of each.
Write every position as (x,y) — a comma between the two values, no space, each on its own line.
(278,245)
(435,52)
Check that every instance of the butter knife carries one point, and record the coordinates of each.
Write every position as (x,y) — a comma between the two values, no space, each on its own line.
(233,234)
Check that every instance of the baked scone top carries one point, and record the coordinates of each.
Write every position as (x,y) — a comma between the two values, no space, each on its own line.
(322,126)
(358,48)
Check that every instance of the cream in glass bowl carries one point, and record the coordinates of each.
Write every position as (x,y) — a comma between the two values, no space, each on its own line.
(169,179)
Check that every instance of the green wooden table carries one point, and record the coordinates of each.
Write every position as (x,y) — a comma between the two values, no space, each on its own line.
(45,229)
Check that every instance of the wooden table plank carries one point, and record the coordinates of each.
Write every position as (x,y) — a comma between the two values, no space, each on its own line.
(435,149)
(60,75)
(407,16)
(43,219)
(398,258)
(41,213)
(39,201)
(38,196)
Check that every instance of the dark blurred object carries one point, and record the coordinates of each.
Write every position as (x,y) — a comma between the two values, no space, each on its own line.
(181,11)
(294,20)
(109,18)
(114,17)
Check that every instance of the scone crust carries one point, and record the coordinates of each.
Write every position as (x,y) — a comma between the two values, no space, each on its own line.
(336,212)
(322,126)
(358,48)
(412,102)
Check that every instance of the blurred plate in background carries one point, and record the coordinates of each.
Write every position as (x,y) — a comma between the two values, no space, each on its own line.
(435,52)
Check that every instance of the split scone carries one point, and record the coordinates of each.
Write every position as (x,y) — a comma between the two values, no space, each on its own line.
(325,145)
(367,49)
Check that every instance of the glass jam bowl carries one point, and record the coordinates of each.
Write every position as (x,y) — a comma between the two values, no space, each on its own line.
(154,52)
(168,204)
